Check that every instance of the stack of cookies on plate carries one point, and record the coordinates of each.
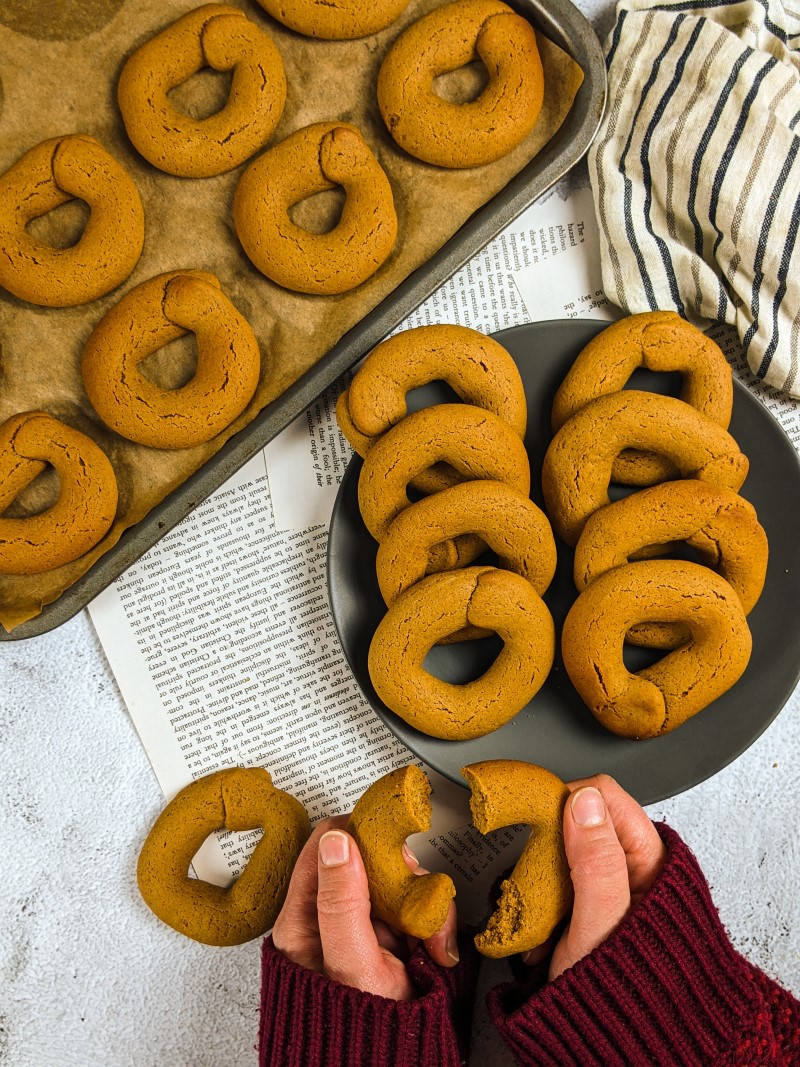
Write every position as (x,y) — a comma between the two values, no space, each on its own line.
(687,470)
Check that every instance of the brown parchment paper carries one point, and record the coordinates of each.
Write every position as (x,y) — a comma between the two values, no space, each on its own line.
(59,64)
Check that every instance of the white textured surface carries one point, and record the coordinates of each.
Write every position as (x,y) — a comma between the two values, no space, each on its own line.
(89,977)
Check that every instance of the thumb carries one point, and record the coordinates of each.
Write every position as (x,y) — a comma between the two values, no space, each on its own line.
(599,877)
(350,950)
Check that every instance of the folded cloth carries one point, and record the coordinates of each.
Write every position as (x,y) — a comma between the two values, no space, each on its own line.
(696,171)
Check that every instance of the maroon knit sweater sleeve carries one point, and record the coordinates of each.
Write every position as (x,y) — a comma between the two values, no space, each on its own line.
(308,1020)
(667,987)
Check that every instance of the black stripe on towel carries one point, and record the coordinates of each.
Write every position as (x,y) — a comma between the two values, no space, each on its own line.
(615,39)
(628,185)
(724,162)
(644,154)
(708,132)
(758,263)
(704,5)
(780,292)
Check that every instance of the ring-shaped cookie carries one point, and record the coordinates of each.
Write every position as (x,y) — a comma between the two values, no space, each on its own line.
(537,894)
(443,604)
(483,130)
(312,160)
(660,341)
(339,21)
(577,466)
(87,500)
(216,36)
(394,807)
(506,520)
(718,524)
(52,173)
(147,318)
(663,696)
(241,798)
(476,367)
(475,442)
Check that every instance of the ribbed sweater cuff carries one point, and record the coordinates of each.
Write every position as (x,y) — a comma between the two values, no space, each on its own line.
(308,1020)
(666,987)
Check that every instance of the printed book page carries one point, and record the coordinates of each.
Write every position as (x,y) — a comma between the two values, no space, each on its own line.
(221,636)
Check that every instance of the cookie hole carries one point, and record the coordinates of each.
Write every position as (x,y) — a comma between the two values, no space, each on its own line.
(202,95)
(463,85)
(319,213)
(63,226)
(672,550)
(667,383)
(424,396)
(638,659)
(37,496)
(237,847)
(172,366)
(464,662)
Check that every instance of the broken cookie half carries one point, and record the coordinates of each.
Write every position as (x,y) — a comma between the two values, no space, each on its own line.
(538,892)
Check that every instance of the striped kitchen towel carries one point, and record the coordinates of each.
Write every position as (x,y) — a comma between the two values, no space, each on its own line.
(696,171)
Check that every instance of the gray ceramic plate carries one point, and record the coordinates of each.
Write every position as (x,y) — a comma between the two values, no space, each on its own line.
(555,729)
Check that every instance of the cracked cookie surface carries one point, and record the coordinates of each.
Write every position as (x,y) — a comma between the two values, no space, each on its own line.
(577,467)
(475,366)
(659,698)
(47,176)
(216,36)
(659,341)
(476,443)
(240,798)
(312,160)
(447,134)
(538,892)
(390,810)
(335,21)
(443,604)
(87,500)
(505,520)
(148,317)
(719,525)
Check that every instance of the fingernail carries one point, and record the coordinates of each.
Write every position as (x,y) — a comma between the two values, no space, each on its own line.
(529,959)
(451,948)
(588,807)
(410,855)
(334,849)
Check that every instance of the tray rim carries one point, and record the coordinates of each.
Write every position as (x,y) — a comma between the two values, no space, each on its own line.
(559,20)
(386,716)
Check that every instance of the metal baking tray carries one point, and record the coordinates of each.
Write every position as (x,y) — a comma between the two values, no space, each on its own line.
(561,22)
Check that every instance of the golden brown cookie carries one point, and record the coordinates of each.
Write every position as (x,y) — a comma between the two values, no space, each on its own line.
(149,317)
(577,466)
(223,38)
(342,20)
(454,135)
(475,442)
(538,892)
(476,367)
(443,604)
(661,697)
(506,520)
(720,526)
(397,805)
(659,341)
(314,159)
(241,798)
(52,173)
(87,500)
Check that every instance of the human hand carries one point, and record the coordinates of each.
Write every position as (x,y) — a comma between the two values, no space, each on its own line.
(326,926)
(614,855)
